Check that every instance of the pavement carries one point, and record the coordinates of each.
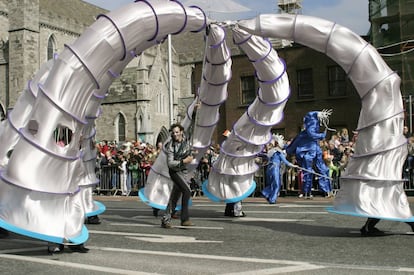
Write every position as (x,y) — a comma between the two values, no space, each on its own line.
(293,236)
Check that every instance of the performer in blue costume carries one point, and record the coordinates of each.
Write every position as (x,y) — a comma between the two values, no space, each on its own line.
(273,171)
(308,152)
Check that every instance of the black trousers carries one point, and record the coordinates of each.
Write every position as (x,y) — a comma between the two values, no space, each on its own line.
(181,187)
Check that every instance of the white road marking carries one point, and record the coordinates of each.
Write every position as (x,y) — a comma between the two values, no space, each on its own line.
(133,224)
(175,226)
(302,205)
(156,238)
(201,256)
(287,212)
(146,217)
(73,265)
(172,239)
(289,266)
(278,270)
(251,219)
(130,209)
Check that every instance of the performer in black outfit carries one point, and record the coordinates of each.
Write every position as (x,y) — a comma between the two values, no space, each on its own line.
(178,151)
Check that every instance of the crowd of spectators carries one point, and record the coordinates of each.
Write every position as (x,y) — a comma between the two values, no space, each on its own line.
(139,156)
(136,156)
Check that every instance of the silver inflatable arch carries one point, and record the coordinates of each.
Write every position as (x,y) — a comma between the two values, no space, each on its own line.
(44,188)
(372,185)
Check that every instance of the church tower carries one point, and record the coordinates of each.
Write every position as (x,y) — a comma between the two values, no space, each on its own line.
(23,45)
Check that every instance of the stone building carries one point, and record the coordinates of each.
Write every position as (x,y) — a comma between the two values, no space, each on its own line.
(32,31)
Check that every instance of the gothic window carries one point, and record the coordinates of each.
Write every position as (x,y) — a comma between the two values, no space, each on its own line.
(194,84)
(161,102)
(121,127)
(336,81)
(248,89)
(51,47)
(305,84)
(139,122)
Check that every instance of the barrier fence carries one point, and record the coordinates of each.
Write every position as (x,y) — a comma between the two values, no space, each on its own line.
(110,182)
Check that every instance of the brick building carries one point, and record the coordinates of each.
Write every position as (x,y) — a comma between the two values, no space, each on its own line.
(316,81)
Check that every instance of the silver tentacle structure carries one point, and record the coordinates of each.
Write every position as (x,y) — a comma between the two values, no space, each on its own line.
(39,188)
(19,116)
(213,88)
(212,93)
(87,175)
(371,185)
(231,178)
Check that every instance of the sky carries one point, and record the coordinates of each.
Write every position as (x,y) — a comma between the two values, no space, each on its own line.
(352,14)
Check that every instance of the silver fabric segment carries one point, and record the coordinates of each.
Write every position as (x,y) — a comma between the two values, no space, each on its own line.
(232,174)
(9,134)
(373,198)
(44,188)
(372,184)
(239,148)
(87,175)
(216,71)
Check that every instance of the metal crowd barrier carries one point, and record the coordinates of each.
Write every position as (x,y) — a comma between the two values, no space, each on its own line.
(110,182)
(292,182)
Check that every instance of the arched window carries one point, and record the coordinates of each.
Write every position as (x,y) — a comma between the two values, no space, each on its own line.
(121,127)
(140,123)
(51,47)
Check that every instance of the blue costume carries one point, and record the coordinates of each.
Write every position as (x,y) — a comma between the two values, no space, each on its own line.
(274,176)
(308,152)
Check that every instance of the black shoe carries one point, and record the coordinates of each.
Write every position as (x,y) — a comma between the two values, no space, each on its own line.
(155,212)
(93,220)
(78,248)
(411,224)
(371,232)
(3,233)
(54,248)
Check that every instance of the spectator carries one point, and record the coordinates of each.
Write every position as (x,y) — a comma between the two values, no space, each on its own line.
(124,174)
(133,167)
(344,136)
(406,132)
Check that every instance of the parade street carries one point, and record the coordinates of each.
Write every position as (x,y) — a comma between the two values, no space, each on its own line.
(294,236)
